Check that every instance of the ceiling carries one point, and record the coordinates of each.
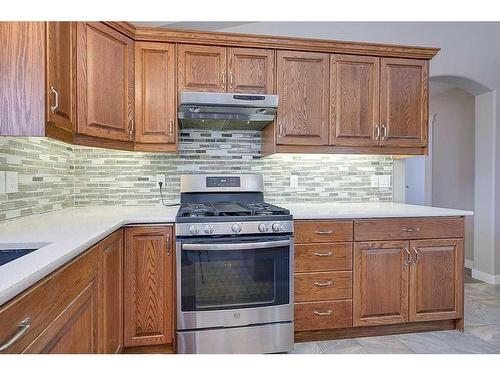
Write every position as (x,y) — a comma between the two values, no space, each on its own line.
(192,25)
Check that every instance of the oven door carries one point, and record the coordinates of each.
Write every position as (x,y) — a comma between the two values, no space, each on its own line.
(236,281)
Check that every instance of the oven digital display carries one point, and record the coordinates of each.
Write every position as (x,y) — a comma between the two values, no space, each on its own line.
(223,182)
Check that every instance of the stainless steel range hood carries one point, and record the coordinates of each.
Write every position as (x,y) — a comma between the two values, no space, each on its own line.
(226,111)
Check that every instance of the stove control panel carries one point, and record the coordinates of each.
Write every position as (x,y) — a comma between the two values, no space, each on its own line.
(233,228)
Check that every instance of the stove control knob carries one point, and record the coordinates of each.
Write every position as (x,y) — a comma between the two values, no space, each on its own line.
(277,227)
(208,229)
(263,227)
(236,227)
(193,229)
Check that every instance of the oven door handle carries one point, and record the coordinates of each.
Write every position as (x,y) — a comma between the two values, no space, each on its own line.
(235,246)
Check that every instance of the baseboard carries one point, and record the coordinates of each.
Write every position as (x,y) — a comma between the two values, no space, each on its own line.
(486,277)
(469,264)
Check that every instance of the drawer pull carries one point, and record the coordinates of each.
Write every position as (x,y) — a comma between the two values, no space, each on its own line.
(323,283)
(328,254)
(409,229)
(22,328)
(323,231)
(329,312)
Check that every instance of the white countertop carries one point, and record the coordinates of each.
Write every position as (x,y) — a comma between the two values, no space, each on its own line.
(71,231)
(367,210)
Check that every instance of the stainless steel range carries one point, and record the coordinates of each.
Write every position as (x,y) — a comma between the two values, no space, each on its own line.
(234,267)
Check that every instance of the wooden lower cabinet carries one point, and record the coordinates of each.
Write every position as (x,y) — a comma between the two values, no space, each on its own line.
(380,283)
(407,281)
(74,331)
(111,293)
(436,280)
(148,282)
(59,314)
(310,316)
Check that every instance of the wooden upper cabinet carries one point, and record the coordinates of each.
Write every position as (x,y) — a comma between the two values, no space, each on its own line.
(155,95)
(303,89)
(22,99)
(380,290)
(436,284)
(251,70)
(404,102)
(111,293)
(354,95)
(61,83)
(201,68)
(105,70)
(148,286)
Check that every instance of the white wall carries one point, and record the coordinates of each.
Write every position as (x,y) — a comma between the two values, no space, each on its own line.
(453,156)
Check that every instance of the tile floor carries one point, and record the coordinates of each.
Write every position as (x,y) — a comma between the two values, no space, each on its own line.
(482,332)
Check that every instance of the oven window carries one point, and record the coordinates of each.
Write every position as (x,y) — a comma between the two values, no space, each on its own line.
(226,279)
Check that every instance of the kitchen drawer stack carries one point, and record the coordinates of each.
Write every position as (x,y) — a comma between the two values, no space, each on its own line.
(323,274)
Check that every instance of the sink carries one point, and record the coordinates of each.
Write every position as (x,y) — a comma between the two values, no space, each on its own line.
(12,251)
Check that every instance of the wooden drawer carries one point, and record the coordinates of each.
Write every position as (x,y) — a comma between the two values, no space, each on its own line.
(321,286)
(311,316)
(412,228)
(322,231)
(323,257)
(46,300)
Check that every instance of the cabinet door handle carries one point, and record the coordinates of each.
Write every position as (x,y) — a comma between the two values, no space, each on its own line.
(132,125)
(323,231)
(323,283)
(410,229)
(223,79)
(377,132)
(171,127)
(384,132)
(328,312)
(55,107)
(280,126)
(328,254)
(231,80)
(416,255)
(407,257)
(22,329)
(168,245)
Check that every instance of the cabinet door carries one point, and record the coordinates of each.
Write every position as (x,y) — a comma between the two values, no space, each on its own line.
(380,283)
(22,78)
(354,93)
(155,92)
(74,331)
(105,85)
(201,68)
(404,102)
(111,293)
(303,89)
(61,88)
(436,279)
(251,70)
(148,286)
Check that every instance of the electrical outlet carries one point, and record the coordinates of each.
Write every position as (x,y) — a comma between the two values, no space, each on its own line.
(374,180)
(294,181)
(2,182)
(385,181)
(11,182)
(160,178)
